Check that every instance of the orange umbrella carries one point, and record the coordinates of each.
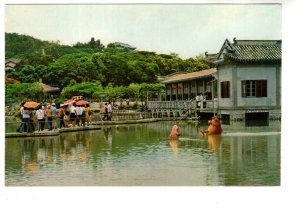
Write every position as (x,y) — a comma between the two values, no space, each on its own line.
(82,102)
(68,102)
(31,104)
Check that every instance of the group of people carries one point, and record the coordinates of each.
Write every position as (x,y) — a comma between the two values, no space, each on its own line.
(54,117)
(107,111)
(201,100)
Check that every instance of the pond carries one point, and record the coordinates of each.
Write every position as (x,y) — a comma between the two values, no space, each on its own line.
(142,155)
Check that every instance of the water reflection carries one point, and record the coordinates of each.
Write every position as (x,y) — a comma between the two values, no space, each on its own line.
(108,136)
(143,155)
(214,142)
(29,157)
(174,146)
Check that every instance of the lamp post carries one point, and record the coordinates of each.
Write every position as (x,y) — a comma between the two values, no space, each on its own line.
(102,95)
(213,94)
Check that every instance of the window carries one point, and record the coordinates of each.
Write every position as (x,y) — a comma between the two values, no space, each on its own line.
(254,88)
(225,93)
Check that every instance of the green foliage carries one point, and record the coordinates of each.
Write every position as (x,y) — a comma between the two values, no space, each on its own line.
(27,74)
(91,47)
(29,48)
(63,65)
(85,89)
(25,91)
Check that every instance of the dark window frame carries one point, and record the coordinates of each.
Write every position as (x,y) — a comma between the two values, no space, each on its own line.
(254,88)
(225,89)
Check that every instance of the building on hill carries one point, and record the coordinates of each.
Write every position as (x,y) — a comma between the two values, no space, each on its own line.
(124,46)
(12,63)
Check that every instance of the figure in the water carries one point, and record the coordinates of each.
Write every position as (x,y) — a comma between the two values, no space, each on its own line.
(214,127)
(175,133)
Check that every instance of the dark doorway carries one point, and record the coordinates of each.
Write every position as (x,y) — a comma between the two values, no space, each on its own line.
(257,119)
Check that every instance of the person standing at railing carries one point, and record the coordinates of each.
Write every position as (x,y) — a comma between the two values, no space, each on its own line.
(109,111)
(203,102)
(198,100)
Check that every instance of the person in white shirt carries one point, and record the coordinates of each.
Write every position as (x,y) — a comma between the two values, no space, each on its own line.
(40,116)
(109,111)
(73,115)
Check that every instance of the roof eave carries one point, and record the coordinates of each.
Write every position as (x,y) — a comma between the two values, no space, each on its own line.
(188,79)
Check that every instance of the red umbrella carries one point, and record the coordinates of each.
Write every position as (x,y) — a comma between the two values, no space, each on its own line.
(31,104)
(82,102)
(68,102)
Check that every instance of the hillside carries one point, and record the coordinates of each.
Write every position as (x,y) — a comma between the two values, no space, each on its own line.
(21,46)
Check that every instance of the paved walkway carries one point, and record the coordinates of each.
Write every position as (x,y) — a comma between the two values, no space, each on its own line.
(94,126)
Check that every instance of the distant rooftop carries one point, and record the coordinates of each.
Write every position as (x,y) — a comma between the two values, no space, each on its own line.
(124,45)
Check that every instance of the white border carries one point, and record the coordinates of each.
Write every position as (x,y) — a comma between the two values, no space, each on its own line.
(181,199)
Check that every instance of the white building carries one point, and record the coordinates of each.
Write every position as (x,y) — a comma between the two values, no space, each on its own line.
(249,79)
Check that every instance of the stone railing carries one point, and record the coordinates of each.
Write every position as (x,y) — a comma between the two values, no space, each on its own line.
(180,105)
(172,104)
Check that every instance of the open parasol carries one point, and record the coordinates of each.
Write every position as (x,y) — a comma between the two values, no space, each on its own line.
(68,102)
(31,104)
(81,102)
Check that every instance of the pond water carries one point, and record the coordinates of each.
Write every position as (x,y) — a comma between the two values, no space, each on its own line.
(142,155)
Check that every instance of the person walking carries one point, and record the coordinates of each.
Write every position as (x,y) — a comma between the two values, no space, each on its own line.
(54,111)
(21,112)
(49,117)
(80,115)
(40,116)
(73,114)
(60,116)
(105,112)
(88,113)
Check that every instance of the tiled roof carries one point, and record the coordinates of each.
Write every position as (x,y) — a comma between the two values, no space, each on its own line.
(190,76)
(49,89)
(254,51)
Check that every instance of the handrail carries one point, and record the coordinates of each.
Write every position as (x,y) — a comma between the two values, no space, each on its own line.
(178,104)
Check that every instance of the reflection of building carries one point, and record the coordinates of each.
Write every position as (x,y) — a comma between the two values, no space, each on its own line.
(250,160)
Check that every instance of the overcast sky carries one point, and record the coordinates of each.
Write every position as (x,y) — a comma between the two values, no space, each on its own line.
(188,30)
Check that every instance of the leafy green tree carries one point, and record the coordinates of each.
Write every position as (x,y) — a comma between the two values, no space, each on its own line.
(85,89)
(25,91)
(26,75)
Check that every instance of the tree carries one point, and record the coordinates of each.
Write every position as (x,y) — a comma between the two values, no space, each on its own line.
(85,89)
(25,91)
